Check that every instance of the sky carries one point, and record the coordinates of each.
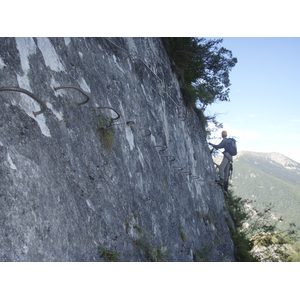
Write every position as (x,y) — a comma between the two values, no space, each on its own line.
(264,109)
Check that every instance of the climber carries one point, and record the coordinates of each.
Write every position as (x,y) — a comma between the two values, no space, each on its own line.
(227,159)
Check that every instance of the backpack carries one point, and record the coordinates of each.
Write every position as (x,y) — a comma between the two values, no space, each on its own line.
(231,146)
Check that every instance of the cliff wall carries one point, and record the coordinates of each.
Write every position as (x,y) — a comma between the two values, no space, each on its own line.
(140,183)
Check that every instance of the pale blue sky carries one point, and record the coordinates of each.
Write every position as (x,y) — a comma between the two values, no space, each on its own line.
(264,111)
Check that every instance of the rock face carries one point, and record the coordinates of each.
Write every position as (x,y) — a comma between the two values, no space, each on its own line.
(142,187)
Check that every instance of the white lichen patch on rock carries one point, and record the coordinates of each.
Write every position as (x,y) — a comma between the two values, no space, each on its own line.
(58,115)
(2,64)
(129,137)
(30,105)
(67,41)
(50,56)
(84,86)
(143,90)
(90,204)
(118,66)
(26,47)
(10,162)
(141,158)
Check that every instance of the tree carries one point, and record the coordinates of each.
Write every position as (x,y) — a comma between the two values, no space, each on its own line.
(202,68)
(239,215)
(255,233)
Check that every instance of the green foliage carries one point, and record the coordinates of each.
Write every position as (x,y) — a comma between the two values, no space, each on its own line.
(255,232)
(183,236)
(127,225)
(141,240)
(108,256)
(203,255)
(239,215)
(295,256)
(208,219)
(263,179)
(138,228)
(152,254)
(158,254)
(202,68)
(105,130)
(241,243)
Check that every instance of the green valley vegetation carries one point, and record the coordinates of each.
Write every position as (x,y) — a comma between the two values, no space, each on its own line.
(202,68)
(269,177)
(256,235)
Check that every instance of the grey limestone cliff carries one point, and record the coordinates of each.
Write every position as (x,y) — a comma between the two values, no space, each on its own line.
(141,187)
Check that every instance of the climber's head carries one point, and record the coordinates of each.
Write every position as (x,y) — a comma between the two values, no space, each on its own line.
(224,134)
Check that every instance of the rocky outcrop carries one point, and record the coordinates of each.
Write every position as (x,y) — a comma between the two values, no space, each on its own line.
(128,171)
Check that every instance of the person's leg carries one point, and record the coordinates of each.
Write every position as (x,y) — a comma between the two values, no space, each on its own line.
(222,168)
(226,171)
(226,186)
(227,167)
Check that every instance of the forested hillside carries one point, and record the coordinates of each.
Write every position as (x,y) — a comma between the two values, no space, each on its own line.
(269,177)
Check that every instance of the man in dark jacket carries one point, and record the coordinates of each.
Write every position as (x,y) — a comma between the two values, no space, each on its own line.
(225,164)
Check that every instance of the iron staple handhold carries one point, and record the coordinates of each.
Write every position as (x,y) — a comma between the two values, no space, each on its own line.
(172,159)
(187,173)
(165,148)
(13,89)
(111,109)
(76,88)
(147,130)
(177,167)
(129,122)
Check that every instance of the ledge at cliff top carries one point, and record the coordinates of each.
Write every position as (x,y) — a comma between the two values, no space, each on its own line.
(128,170)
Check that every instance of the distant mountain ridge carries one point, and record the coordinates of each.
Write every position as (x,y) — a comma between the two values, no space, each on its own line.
(269,177)
(272,164)
(276,157)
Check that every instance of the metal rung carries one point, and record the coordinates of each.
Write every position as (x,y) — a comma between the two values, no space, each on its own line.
(75,88)
(12,89)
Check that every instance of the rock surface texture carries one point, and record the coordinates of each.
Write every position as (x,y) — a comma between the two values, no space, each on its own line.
(142,187)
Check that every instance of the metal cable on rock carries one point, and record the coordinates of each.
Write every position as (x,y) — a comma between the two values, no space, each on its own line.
(134,57)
